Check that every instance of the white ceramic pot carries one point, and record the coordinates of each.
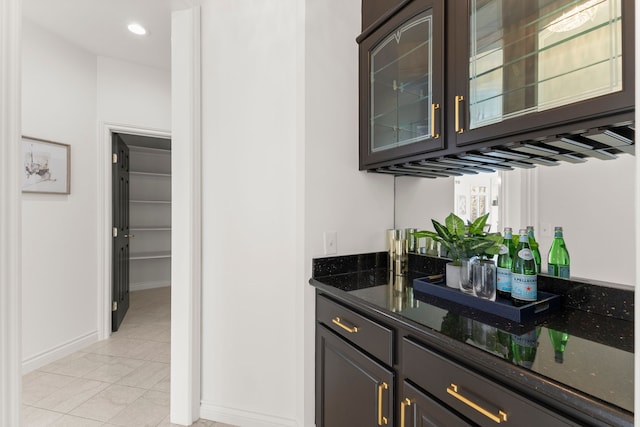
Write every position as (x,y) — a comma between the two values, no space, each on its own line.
(452,273)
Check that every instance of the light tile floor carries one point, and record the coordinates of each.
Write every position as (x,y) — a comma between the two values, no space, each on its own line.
(122,381)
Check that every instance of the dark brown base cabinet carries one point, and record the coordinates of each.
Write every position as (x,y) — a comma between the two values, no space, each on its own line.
(479,399)
(417,409)
(405,383)
(352,390)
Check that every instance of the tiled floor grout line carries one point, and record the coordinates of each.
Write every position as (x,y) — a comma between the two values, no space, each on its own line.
(122,381)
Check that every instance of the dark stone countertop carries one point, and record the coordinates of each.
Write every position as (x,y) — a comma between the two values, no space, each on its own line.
(594,373)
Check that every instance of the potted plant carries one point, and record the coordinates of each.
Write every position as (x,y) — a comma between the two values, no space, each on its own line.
(462,241)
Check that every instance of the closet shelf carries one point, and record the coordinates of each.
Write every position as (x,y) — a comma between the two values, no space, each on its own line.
(150,228)
(150,255)
(151,174)
(162,202)
(150,217)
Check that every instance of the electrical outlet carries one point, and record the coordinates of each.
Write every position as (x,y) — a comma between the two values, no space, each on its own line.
(330,242)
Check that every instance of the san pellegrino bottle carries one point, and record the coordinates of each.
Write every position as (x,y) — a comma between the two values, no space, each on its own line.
(524,273)
(558,256)
(559,342)
(534,248)
(524,348)
(504,265)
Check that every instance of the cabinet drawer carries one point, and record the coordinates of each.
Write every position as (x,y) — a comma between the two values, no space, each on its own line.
(472,395)
(417,410)
(365,333)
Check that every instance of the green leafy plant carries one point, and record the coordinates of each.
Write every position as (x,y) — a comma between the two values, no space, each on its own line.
(464,240)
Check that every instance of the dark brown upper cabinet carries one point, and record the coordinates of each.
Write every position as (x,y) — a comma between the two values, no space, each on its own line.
(401,84)
(461,78)
(533,66)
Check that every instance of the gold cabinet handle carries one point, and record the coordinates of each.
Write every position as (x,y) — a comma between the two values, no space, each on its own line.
(459,99)
(403,406)
(434,107)
(381,420)
(453,391)
(350,329)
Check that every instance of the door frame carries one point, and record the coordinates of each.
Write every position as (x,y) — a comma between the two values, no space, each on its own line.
(105,222)
(10,215)
(186,216)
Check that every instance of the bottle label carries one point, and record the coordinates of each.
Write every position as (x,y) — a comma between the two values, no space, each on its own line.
(525,254)
(503,250)
(503,277)
(530,339)
(559,270)
(524,287)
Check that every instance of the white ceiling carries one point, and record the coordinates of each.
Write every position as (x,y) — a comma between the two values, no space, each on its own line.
(100,26)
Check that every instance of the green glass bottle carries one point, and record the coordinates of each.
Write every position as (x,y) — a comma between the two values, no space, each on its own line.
(534,248)
(559,341)
(503,275)
(558,260)
(524,273)
(524,348)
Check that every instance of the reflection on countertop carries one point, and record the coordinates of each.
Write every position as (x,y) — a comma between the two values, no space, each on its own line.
(588,350)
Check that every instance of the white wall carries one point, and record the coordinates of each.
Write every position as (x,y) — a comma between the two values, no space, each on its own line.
(249,211)
(59,231)
(357,205)
(257,360)
(131,94)
(66,92)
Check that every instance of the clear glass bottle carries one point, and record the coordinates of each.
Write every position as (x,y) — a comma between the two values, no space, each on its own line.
(534,248)
(505,262)
(558,260)
(524,273)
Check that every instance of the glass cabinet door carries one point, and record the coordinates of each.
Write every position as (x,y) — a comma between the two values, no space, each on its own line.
(533,56)
(404,86)
(401,82)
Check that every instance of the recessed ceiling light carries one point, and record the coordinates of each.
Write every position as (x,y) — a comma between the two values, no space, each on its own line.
(138,29)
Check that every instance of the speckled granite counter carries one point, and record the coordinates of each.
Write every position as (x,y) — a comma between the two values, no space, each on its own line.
(593,375)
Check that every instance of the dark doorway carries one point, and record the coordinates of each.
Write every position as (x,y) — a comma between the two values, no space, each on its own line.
(141,218)
(120,215)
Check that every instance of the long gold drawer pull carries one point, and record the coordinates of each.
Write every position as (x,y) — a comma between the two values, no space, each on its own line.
(453,391)
(434,107)
(350,329)
(381,420)
(459,99)
(403,406)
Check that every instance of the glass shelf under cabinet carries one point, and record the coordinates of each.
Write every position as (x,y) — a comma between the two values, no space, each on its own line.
(532,56)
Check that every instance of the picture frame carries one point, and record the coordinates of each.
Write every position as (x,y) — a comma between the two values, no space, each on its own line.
(46,166)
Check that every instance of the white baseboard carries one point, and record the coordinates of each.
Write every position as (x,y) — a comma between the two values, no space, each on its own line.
(242,418)
(58,352)
(141,286)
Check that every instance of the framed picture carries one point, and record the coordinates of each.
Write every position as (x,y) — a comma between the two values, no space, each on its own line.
(46,166)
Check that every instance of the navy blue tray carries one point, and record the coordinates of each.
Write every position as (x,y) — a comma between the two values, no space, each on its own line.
(501,307)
